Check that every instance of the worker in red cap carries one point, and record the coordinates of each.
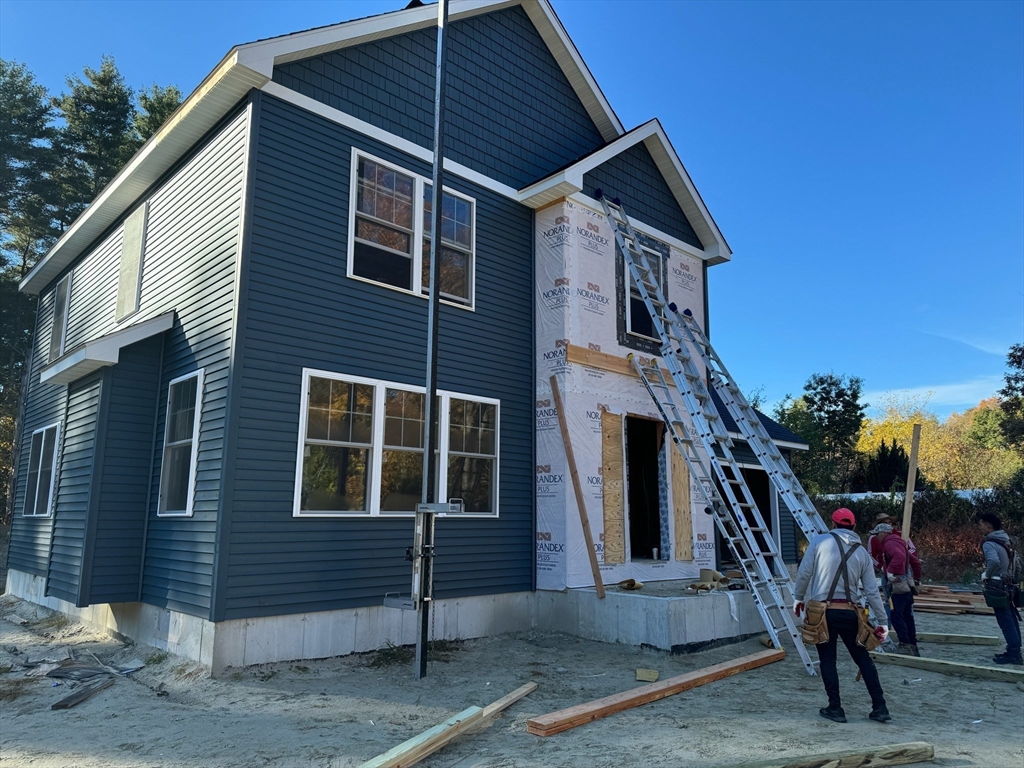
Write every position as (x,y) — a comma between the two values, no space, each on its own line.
(836,579)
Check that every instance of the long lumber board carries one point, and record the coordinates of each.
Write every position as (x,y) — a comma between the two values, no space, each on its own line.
(564,719)
(507,701)
(939,637)
(418,747)
(949,667)
(865,757)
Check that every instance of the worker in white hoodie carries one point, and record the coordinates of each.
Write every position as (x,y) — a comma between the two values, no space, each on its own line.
(838,571)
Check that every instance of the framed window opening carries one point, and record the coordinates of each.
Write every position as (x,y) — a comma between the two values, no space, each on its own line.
(389,474)
(59,329)
(638,318)
(181,445)
(42,472)
(390,239)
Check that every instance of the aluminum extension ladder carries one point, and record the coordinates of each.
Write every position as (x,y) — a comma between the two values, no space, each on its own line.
(739,521)
(779,472)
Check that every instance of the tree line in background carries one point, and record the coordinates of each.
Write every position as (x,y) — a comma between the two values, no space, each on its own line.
(56,154)
(983,447)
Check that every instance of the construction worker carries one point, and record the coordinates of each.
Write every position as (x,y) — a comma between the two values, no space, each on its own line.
(1002,571)
(899,564)
(836,564)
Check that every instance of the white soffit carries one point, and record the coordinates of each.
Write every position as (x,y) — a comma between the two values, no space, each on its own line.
(569,181)
(106,350)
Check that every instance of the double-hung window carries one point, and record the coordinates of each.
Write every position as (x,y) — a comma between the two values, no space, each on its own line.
(42,466)
(181,445)
(391,232)
(361,447)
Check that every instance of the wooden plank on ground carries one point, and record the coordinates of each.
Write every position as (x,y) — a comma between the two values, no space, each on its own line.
(613,484)
(949,667)
(938,637)
(418,747)
(577,487)
(564,719)
(84,692)
(864,757)
(507,701)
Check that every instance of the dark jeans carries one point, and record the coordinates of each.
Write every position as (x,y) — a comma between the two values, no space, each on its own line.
(843,623)
(1009,622)
(903,618)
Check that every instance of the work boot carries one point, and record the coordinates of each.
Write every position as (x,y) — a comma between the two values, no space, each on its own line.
(835,714)
(880,714)
(1008,658)
(913,649)
(905,649)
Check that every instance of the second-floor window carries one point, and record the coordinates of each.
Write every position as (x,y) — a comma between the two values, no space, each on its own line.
(391,238)
(181,445)
(42,464)
(59,330)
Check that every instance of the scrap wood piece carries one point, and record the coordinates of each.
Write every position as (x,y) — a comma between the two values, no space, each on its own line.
(507,701)
(949,667)
(647,675)
(939,637)
(83,693)
(76,670)
(564,719)
(865,757)
(577,488)
(413,750)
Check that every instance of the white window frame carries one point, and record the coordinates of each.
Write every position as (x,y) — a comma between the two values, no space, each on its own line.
(377,443)
(629,297)
(419,182)
(53,472)
(161,511)
(66,280)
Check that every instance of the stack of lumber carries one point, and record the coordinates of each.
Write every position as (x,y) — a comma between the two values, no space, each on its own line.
(936,599)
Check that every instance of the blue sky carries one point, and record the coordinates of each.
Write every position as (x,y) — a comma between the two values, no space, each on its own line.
(864,160)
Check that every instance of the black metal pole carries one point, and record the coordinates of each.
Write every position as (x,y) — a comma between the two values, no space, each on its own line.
(433,314)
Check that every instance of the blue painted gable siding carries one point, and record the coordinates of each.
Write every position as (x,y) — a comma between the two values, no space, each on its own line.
(512,114)
(300,310)
(634,178)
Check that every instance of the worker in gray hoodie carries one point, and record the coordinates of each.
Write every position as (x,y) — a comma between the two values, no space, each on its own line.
(999,568)
(837,570)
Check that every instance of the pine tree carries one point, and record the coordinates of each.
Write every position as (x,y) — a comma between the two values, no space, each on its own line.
(99,133)
(155,106)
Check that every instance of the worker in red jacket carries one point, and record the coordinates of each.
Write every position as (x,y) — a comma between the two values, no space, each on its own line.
(875,550)
(901,570)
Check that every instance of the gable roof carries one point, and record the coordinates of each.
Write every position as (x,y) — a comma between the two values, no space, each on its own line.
(779,434)
(251,65)
(569,181)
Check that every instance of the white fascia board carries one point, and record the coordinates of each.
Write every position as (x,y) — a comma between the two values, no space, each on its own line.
(685,191)
(103,351)
(564,50)
(220,91)
(264,54)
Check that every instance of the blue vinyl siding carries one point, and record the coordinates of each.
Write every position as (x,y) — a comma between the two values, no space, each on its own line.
(118,517)
(189,266)
(300,310)
(511,113)
(634,178)
(74,488)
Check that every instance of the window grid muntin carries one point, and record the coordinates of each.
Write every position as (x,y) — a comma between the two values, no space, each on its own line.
(171,447)
(379,446)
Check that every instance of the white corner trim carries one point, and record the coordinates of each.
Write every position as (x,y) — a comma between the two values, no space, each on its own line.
(105,350)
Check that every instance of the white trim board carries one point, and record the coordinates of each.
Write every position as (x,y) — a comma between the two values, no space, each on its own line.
(106,350)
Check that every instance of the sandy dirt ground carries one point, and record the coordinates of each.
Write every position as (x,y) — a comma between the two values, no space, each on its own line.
(339,712)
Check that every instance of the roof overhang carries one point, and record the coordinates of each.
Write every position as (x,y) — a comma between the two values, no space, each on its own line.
(101,352)
(569,181)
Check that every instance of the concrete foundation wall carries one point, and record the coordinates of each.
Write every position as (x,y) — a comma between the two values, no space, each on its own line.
(672,623)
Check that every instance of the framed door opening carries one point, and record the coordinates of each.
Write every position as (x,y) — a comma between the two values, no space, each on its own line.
(644,440)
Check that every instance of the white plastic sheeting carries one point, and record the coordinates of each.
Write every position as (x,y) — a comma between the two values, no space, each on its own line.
(577,305)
